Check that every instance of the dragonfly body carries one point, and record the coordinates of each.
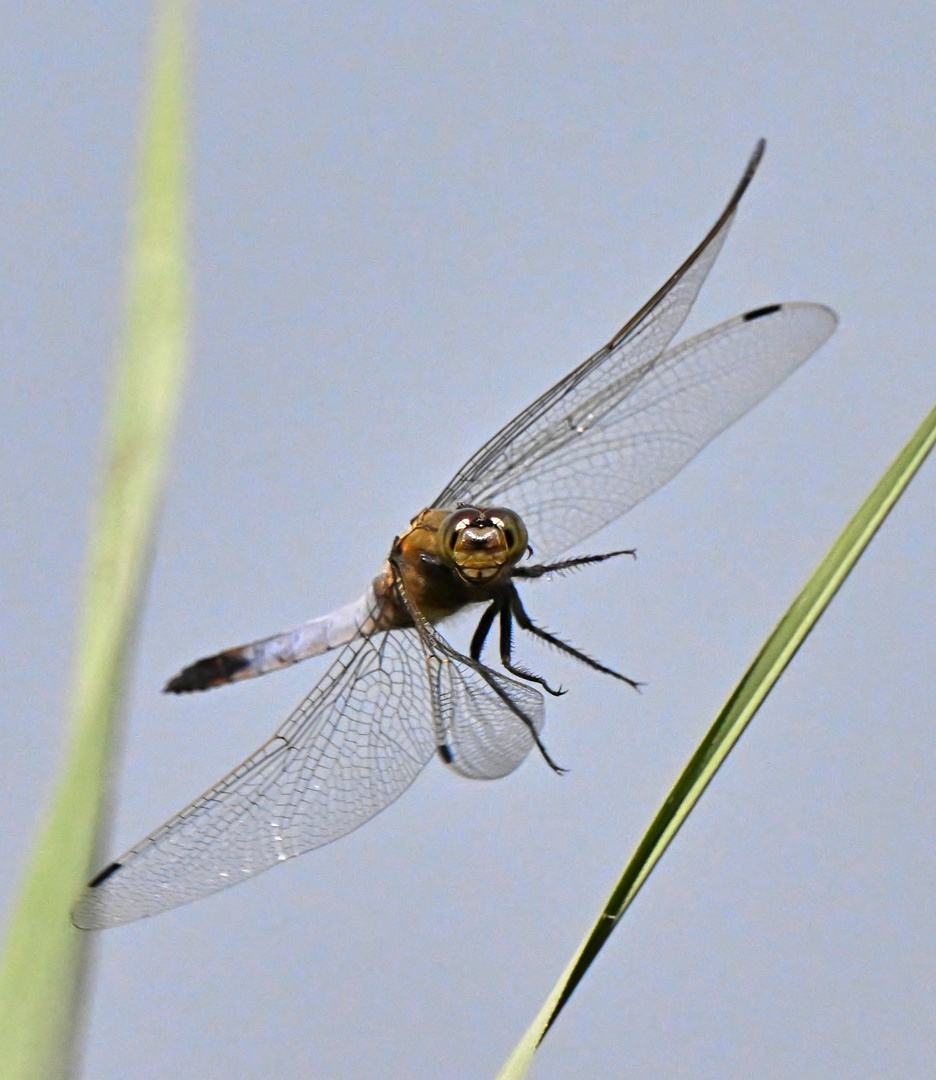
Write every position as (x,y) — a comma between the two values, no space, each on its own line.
(609,433)
(437,584)
(446,561)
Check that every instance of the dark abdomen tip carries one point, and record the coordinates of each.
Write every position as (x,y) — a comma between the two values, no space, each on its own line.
(204,674)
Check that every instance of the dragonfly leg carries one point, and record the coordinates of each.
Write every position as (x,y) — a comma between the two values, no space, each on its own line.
(490,678)
(564,565)
(526,623)
(557,769)
(427,633)
(506,646)
(484,626)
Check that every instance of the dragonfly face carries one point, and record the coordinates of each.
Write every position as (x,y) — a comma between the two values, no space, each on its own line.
(609,433)
(447,560)
(478,544)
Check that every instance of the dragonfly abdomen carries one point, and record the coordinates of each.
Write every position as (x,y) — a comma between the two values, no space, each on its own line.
(281,650)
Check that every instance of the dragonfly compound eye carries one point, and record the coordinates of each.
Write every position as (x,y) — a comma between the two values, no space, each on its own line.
(512,529)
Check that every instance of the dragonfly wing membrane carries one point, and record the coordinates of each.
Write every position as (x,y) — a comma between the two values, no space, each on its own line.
(486,723)
(485,720)
(634,348)
(352,747)
(633,436)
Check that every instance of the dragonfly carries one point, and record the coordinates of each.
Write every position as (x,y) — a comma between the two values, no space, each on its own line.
(608,434)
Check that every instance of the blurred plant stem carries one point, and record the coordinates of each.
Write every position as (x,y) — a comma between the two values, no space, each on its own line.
(729,726)
(45,959)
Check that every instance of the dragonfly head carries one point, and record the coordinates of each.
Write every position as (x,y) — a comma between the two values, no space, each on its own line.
(478,542)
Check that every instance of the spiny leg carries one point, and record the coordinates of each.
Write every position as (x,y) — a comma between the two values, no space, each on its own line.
(502,605)
(506,644)
(483,629)
(544,753)
(490,677)
(526,623)
(567,564)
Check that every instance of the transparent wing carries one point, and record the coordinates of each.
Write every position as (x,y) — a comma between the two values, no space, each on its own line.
(530,436)
(486,722)
(601,458)
(352,747)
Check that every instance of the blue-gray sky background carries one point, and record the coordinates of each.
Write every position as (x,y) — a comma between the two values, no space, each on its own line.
(408,220)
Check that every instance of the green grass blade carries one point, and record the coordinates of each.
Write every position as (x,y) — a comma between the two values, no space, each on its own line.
(757,682)
(44,957)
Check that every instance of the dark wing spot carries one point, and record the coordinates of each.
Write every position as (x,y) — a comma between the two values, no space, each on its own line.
(203,674)
(445,752)
(759,313)
(107,872)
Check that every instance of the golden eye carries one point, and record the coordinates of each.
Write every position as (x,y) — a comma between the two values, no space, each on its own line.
(450,528)
(513,529)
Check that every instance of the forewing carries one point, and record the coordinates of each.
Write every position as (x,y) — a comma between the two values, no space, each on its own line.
(529,437)
(632,436)
(351,748)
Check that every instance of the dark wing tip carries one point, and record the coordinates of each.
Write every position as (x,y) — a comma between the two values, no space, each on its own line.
(107,872)
(84,913)
(206,673)
(759,313)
